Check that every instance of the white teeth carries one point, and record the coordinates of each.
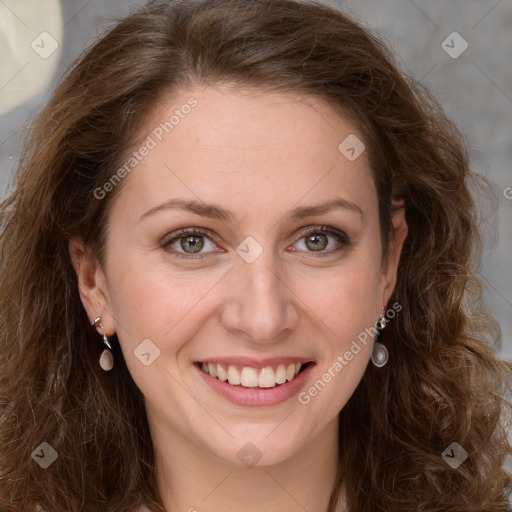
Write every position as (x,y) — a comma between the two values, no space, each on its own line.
(233,375)
(267,378)
(281,374)
(212,369)
(221,373)
(251,377)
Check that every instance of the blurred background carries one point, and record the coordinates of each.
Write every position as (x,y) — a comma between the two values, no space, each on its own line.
(460,49)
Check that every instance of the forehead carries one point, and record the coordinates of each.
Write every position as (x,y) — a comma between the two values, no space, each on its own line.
(269,149)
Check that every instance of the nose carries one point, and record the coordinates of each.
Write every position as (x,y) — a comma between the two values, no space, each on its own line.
(260,306)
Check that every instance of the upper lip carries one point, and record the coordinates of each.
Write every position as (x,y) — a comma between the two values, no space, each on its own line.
(255,363)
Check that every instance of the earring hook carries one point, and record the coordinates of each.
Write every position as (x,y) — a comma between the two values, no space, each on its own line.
(97,321)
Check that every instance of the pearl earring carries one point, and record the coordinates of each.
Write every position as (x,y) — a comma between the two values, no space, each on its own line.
(380,353)
(107,357)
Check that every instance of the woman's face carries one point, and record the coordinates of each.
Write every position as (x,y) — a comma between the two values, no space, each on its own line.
(252,289)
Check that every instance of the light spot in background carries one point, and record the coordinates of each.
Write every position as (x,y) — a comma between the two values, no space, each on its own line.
(31,38)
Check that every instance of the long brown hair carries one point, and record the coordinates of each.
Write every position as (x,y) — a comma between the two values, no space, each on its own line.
(443,382)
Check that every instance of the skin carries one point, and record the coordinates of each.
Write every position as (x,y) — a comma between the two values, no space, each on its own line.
(261,156)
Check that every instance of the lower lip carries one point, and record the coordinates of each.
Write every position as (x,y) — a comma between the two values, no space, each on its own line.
(256,397)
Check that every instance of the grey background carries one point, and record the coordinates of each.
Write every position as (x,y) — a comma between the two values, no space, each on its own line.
(475,89)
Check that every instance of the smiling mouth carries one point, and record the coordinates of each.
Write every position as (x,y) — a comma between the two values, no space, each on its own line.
(259,378)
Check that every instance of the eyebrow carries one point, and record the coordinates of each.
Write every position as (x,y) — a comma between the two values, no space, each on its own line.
(217,212)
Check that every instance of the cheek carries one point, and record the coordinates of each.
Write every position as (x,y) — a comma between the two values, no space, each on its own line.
(149,302)
(348,297)
(347,302)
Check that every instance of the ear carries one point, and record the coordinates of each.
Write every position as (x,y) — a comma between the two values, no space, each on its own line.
(92,285)
(390,262)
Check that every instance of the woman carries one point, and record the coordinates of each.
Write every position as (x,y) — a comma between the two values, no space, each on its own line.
(237,272)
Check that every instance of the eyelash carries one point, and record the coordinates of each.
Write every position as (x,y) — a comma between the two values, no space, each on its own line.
(341,237)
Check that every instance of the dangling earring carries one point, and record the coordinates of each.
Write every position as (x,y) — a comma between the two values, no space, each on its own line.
(107,357)
(380,353)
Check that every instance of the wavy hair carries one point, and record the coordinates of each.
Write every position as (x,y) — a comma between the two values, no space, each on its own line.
(442,384)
